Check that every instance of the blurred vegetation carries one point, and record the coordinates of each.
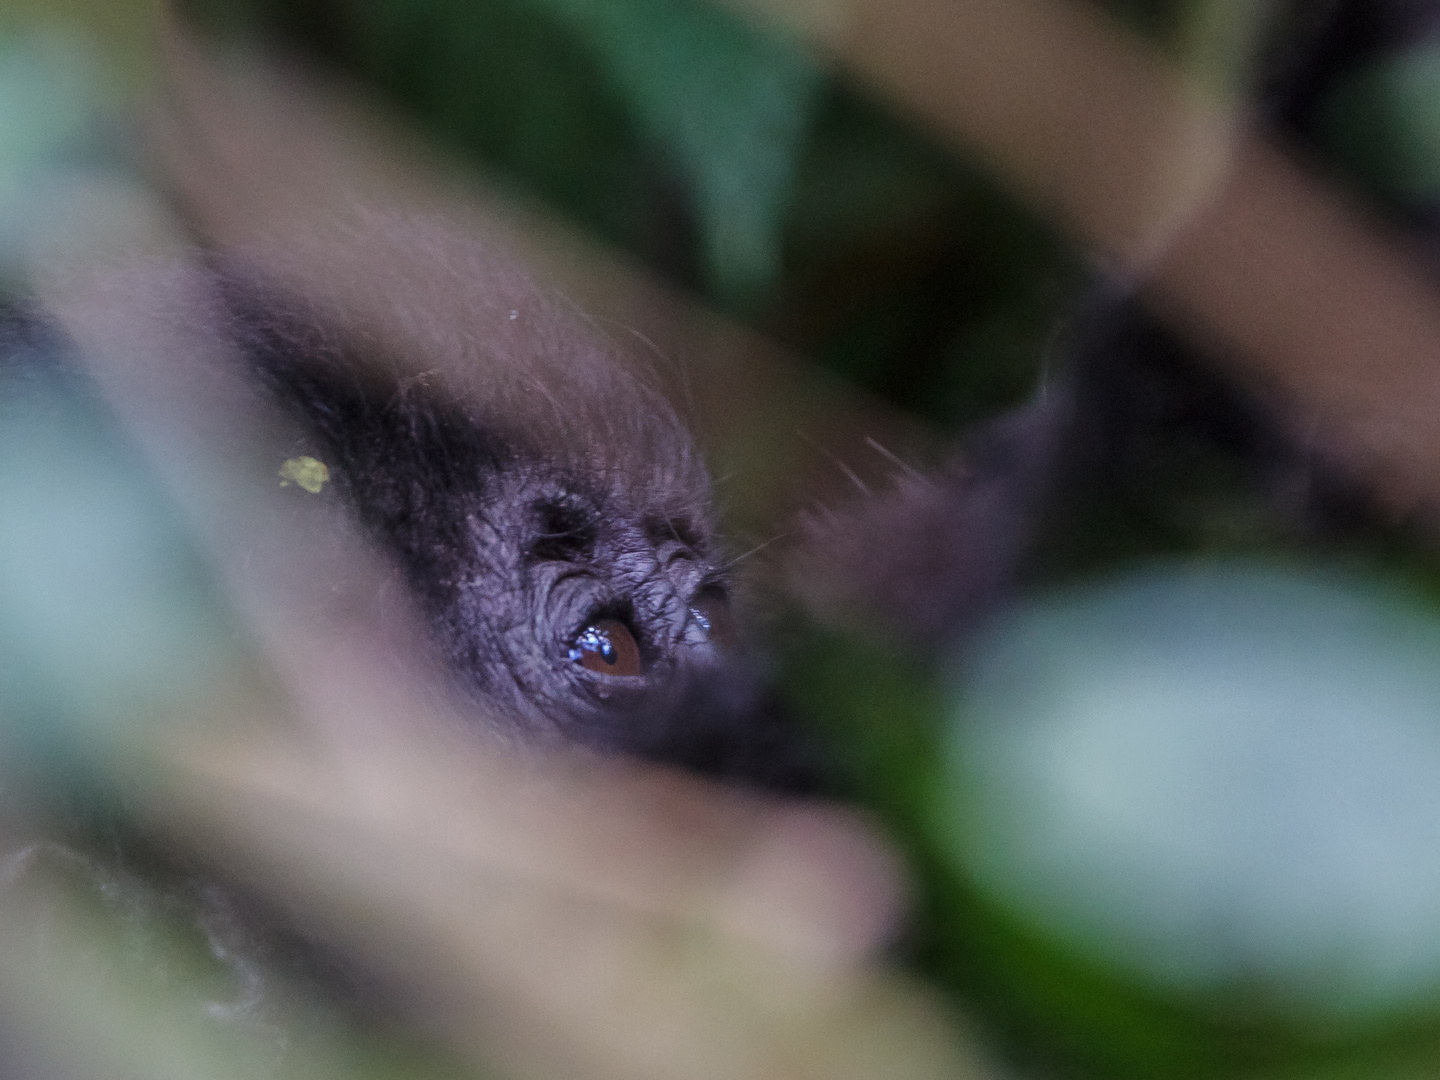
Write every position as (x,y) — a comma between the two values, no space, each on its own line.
(739,166)
(731,162)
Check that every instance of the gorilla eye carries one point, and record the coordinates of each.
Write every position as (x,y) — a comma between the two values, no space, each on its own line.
(607,647)
(713,614)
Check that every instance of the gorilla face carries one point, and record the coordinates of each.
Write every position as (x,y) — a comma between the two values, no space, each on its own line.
(549,512)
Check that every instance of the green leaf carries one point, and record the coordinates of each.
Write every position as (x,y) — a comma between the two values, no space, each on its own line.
(734,107)
(1383,124)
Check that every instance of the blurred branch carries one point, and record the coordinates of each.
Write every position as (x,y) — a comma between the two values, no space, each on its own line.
(575,919)
(1306,297)
(1081,119)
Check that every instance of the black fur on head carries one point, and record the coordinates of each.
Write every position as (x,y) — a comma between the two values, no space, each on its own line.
(530,486)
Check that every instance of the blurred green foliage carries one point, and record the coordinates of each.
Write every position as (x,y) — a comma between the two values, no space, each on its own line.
(1383,125)
(737,165)
(1053,1001)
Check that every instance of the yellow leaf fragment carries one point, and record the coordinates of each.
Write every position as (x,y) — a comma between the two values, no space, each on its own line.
(308,472)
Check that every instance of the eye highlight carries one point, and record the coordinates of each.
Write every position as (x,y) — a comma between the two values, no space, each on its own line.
(607,647)
(712,613)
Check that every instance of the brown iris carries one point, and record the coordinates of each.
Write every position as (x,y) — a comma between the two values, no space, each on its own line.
(607,647)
